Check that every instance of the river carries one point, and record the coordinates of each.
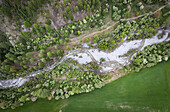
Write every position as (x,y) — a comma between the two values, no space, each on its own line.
(88,55)
(145,91)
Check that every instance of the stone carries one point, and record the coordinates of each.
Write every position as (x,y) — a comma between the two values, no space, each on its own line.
(34,99)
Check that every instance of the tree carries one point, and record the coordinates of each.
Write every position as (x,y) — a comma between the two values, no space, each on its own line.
(30,13)
(49,54)
(68,48)
(42,29)
(41,55)
(48,28)
(7,68)
(4,45)
(2,37)
(10,56)
(43,60)
(42,51)
(60,41)
(22,40)
(6,11)
(65,43)
(68,9)
(141,7)
(80,4)
(67,39)
(28,54)
(26,34)
(27,24)
(36,26)
(56,47)
(40,64)
(94,2)
(76,9)
(48,22)
(64,14)
(16,61)
(70,15)
(32,60)
(78,32)
(88,8)
(81,41)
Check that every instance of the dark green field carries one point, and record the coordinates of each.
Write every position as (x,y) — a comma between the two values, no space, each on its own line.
(146,91)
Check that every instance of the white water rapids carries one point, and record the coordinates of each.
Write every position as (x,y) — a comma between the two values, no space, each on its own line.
(113,59)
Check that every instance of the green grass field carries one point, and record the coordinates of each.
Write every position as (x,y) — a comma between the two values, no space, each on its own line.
(146,91)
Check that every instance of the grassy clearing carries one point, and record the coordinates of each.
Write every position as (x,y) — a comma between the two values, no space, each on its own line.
(136,92)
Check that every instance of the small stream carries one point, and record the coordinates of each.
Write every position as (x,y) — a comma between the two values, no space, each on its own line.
(113,60)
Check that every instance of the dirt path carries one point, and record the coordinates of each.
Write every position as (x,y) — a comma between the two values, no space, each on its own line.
(130,19)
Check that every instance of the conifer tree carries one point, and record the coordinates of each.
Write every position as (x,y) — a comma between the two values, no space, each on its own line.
(80,4)
(27,24)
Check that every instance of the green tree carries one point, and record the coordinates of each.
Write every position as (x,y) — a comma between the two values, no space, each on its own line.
(5,45)
(76,9)
(81,41)
(32,60)
(2,37)
(70,15)
(43,60)
(65,43)
(48,28)
(68,9)
(42,51)
(68,48)
(88,8)
(80,4)
(36,26)
(49,54)
(48,22)
(28,54)
(26,34)
(64,14)
(41,55)
(56,47)
(27,24)
(22,40)
(6,11)
(40,64)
